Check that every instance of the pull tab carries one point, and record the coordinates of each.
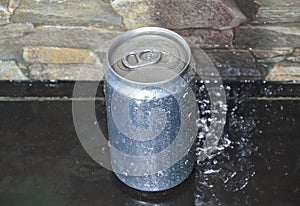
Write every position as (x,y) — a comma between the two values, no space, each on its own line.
(141,59)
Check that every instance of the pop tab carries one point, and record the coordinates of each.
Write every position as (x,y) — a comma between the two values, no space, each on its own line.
(141,59)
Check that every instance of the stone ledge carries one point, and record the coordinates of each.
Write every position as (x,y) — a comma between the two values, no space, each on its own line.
(278,11)
(71,12)
(7,8)
(273,15)
(4,13)
(276,55)
(207,38)
(9,51)
(66,32)
(262,54)
(234,64)
(15,30)
(179,14)
(278,3)
(248,7)
(41,54)
(10,71)
(267,37)
(74,72)
(284,71)
(70,36)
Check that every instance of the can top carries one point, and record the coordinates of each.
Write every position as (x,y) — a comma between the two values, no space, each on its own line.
(148,55)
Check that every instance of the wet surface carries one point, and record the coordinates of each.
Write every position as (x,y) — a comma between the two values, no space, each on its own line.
(43,163)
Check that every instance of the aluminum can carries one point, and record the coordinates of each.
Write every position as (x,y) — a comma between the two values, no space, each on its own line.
(151,109)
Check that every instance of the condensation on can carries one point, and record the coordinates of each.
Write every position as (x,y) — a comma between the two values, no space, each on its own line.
(151,109)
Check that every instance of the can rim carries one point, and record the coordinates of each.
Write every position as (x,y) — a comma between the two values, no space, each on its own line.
(145,30)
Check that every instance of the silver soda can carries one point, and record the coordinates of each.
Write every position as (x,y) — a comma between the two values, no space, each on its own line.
(151,109)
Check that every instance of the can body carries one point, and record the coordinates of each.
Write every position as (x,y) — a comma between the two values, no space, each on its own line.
(151,118)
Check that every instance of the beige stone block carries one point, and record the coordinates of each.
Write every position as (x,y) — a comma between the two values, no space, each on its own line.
(10,71)
(271,53)
(72,72)
(41,54)
(284,72)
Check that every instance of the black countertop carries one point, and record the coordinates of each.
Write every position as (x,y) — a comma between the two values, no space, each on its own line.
(43,163)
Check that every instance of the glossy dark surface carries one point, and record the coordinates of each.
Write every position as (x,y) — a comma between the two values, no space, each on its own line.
(43,163)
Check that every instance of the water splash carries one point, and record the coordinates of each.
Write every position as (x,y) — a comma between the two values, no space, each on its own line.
(229,168)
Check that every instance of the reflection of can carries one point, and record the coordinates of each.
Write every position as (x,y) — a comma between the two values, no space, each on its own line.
(151,110)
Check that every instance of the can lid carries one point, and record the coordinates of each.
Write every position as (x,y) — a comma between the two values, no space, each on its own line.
(149,55)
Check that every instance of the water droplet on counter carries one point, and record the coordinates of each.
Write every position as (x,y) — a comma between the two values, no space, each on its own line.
(160,173)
